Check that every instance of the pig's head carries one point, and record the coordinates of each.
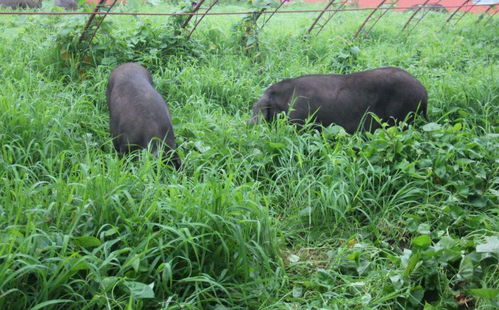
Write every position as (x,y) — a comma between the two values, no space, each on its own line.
(267,108)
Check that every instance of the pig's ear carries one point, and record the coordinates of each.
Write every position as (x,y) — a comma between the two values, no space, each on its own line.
(263,111)
(266,111)
(260,111)
(256,115)
(149,77)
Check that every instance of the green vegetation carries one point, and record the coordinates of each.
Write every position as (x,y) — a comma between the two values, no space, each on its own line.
(262,216)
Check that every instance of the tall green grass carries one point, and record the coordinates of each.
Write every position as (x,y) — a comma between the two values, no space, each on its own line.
(262,216)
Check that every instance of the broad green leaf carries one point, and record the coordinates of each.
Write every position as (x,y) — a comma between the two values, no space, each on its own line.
(136,264)
(201,147)
(416,296)
(431,127)
(445,243)
(440,170)
(276,145)
(488,293)
(109,232)
(297,291)
(343,55)
(87,242)
(397,281)
(404,258)
(362,266)
(108,283)
(424,229)
(365,299)
(411,264)
(423,241)
(51,302)
(428,306)
(353,255)
(140,290)
(491,245)
(479,202)
(251,40)
(335,130)
(448,255)
(355,50)
(80,265)
(466,269)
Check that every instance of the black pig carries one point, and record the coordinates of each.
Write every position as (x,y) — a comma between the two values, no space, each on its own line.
(390,93)
(67,4)
(138,113)
(22,4)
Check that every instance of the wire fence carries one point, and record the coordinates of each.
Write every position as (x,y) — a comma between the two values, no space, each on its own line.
(398,8)
(326,14)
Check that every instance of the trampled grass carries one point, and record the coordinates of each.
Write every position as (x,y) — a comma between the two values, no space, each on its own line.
(262,216)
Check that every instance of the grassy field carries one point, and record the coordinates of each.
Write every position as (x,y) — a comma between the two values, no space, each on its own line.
(262,217)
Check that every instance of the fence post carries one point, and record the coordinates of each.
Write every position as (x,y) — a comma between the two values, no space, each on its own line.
(457,10)
(414,14)
(392,4)
(490,17)
(367,19)
(272,14)
(95,21)
(194,10)
(423,16)
(198,20)
(464,13)
(328,5)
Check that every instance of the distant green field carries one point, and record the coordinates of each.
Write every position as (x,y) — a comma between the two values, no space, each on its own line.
(262,217)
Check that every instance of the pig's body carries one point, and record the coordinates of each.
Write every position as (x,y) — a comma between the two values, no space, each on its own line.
(67,4)
(21,4)
(138,113)
(345,100)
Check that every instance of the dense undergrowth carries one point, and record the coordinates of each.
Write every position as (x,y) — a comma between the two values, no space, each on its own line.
(262,216)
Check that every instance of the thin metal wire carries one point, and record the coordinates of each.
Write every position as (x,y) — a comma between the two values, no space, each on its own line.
(214,13)
(103,14)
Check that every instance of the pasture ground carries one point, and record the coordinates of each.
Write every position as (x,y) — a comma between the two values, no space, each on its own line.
(262,217)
